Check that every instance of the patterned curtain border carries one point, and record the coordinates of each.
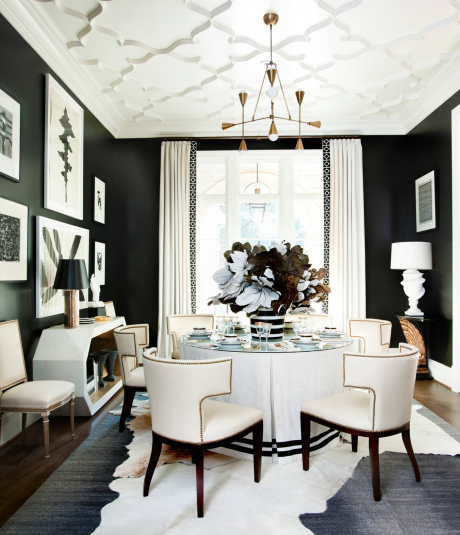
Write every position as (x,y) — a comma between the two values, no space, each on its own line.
(193,148)
(327,212)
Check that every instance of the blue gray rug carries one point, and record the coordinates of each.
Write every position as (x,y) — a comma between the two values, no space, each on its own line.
(71,499)
(430,507)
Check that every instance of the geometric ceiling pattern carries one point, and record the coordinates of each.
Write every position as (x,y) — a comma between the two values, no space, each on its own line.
(177,66)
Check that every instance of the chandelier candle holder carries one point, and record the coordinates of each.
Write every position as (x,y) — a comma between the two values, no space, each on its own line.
(272,73)
(268,283)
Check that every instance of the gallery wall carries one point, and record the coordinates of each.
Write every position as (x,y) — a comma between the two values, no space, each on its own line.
(23,78)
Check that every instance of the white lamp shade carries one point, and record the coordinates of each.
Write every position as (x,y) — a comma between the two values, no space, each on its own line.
(411,255)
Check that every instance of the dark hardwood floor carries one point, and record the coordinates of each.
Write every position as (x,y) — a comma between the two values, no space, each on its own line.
(22,464)
(23,470)
(440,400)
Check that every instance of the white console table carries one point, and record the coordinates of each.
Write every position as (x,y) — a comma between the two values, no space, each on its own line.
(62,354)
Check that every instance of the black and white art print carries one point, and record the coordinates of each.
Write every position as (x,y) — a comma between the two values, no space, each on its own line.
(425,205)
(99,261)
(13,240)
(63,151)
(10,125)
(56,240)
(99,200)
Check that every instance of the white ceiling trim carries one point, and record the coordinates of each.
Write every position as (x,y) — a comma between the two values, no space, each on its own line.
(30,25)
(27,20)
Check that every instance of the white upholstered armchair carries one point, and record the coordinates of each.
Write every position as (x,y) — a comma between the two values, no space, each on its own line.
(377,404)
(180,324)
(19,395)
(375,334)
(183,416)
(130,340)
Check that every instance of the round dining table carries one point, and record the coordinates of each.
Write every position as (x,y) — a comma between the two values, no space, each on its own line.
(277,381)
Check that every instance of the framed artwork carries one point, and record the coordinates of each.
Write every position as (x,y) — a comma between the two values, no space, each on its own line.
(99,200)
(99,261)
(14,219)
(10,136)
(63,151)
(425,205)
(56,240)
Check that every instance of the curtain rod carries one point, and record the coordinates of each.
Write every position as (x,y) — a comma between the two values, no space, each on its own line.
(258,138)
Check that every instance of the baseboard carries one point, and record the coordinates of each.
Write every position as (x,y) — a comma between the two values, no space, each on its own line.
(441,373)
(12,425)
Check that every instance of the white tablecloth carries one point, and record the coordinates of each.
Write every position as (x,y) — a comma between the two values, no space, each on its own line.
(277,384)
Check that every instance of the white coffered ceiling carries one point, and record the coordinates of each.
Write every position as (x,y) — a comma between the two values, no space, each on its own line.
(175,67)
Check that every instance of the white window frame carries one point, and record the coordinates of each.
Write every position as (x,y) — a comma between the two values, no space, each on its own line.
(286,196)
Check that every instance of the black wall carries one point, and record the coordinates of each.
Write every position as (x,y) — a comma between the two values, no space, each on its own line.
(23,78)
(429,147)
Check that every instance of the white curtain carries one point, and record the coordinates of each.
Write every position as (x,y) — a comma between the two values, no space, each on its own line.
(174,288)
(347,263)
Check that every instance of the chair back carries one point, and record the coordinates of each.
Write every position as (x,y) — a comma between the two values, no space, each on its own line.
(130,339)
(390,379)
(177,389)
(180,324)
(375,334)
(110,309)
(12,364)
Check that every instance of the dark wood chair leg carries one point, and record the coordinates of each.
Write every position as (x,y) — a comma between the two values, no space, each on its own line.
(24,425)
(72,417)
(154,456)
(257,437)
(305,432)
(410,452)
(193,457)
(374,454)
(354,443)
(127,405)
(46,434)
(199,481)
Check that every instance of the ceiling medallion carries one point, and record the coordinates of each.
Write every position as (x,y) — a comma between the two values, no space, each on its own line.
(271,71)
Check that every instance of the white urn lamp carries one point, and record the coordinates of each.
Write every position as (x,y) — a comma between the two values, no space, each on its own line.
(411,256)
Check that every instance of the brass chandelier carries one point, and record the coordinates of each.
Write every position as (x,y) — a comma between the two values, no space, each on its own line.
(271,72)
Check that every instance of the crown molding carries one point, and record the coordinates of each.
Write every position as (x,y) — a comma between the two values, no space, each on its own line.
(28,22)
(344,125)
(442,87)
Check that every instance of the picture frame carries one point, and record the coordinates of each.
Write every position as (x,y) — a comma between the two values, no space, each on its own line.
(64,122)
(14,224)
(10,136)
(57,240)
(99,261)
(425,202)
(99,201)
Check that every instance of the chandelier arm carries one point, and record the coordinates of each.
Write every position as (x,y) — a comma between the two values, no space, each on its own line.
(285,101)
(252,121)
(257,103)
(293,120)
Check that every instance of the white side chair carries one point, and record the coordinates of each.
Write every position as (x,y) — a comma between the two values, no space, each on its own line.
(179,324)
(19,395)
(182,416)
(375,334)
(110,309)
(381,406)
(130,340)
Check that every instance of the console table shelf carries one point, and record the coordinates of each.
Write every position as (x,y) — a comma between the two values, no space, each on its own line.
(62,354)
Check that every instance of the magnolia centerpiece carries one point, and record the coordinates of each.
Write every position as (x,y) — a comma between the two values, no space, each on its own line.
(281,279)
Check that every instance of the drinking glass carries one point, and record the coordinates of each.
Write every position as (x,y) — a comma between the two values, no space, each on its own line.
(309,326)
(302,326)
(228,323)
(297,326)
(260,330)
(221,328)
(267,329)
(234,324)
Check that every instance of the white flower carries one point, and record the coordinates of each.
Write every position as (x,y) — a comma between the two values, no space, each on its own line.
(300,296)
(262,280)
(280,247)
(311,290)
(240,262)
(301,310)
(303,285)
(223,276)
(255,296)
(214,300)
(234,286)
(269,273)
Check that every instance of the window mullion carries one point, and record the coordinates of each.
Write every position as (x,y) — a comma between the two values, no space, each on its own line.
(232,208)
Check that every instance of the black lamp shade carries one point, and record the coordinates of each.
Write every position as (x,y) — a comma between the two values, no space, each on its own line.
(71,275)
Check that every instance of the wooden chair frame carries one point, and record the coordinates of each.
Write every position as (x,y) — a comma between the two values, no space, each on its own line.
(197,457)
(306,419)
